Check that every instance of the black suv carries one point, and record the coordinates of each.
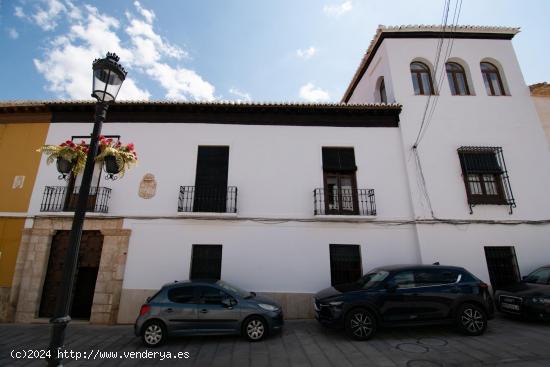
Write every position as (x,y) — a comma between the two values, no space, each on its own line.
(407,295)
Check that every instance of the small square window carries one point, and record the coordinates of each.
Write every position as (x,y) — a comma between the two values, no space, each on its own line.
(206,262)
(345,264)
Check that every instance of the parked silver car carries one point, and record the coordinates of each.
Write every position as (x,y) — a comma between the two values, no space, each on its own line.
(206,308)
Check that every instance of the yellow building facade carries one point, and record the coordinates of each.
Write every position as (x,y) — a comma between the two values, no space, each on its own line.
(23,129)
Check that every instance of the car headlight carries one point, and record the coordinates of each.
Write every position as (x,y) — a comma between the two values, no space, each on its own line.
(336,303)
(267,307)
(542,300)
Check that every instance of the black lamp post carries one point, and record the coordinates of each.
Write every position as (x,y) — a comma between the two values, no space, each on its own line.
(107,80)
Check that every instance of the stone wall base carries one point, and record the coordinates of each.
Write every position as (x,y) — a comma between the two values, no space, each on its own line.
(295,305)
(7,310)
(32,264)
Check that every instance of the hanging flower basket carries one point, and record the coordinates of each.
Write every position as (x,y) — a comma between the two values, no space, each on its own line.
(69,156)
(64,166)
(117,157)
(111,166)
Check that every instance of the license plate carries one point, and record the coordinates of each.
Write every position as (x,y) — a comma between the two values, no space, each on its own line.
(509,306)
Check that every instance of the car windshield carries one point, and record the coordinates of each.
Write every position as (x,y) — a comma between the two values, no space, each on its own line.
(234,289)
(372,278)
(539,276)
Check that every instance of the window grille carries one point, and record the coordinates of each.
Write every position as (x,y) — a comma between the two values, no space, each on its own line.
(486,177)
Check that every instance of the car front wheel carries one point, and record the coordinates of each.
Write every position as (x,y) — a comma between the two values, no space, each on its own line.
(471,319)
(154,334)
(255,329)
(360,324)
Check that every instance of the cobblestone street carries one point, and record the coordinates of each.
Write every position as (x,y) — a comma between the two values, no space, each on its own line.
(507,342)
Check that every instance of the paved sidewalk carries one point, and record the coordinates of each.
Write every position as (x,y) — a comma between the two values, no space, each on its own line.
(508,343)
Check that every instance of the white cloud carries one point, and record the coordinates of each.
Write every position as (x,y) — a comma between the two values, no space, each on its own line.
(13,34)
(145,39)
(63,65)
(306,53)
(180,82)
(335,10)
(47,18)
(242,96)
(18,12)
(310,93)
(149,15)
(91,34)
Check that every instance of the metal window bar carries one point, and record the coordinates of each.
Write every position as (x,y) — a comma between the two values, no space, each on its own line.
(207,199)
(328,202)
(58,199)
(472,163)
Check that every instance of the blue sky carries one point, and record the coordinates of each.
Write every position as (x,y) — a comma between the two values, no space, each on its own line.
(280,50)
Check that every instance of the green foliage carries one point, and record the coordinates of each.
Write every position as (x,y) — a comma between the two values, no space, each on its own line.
(74,153)
(125,155)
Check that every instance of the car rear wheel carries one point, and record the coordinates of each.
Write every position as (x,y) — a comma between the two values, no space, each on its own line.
(154,334)
(471,319)
(360,324)
(255,329)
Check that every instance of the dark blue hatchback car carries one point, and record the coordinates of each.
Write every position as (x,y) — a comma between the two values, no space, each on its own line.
(208,307)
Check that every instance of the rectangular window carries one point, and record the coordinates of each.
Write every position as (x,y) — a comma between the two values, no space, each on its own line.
(485,176)
(211,179)
(340,183)
(206,262)
(345,264)
(502,265)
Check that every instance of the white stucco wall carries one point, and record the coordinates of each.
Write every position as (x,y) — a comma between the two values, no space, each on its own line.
(266,257)
(274,168)
(480,120)
(510,122)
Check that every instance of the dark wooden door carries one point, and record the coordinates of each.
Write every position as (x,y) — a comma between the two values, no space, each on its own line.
(211,179)
(84,285)
(502,265)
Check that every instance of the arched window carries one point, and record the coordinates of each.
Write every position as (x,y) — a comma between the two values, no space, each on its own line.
(492,79)
(457,79)
(421,78)
(382,90)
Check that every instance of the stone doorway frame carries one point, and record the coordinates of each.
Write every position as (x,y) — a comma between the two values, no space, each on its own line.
(32,265)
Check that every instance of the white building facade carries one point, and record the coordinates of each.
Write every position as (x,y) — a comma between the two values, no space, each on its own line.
(453,226)
(289,199)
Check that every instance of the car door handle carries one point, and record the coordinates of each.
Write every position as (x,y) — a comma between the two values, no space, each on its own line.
(169,310)
(204,310)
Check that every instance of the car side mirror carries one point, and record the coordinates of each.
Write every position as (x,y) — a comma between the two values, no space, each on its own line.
(390,286)
(524,278)
(229,302)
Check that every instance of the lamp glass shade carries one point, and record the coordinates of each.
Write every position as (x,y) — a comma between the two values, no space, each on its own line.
(107,78)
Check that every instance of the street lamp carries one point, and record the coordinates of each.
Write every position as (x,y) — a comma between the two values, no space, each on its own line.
(108,76)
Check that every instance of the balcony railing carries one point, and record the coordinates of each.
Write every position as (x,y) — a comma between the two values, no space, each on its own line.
(344,202)
(209,199)
(60,199)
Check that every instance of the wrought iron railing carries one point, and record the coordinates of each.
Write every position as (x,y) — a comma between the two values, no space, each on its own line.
(341,201)
(60,199)
(210,199)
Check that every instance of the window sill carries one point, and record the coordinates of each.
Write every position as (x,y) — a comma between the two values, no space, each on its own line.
(344,218)
(206,215)
(69,214)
